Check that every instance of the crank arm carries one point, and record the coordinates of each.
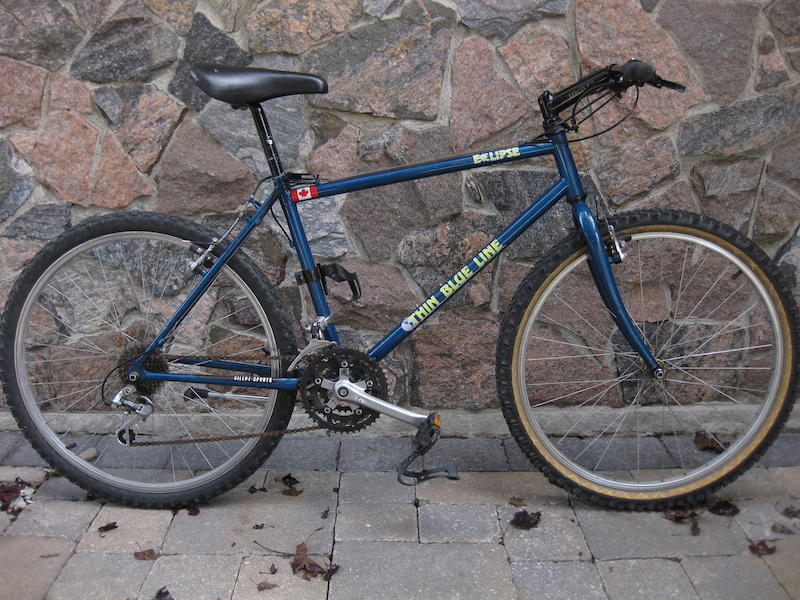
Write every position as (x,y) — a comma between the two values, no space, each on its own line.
(347,391)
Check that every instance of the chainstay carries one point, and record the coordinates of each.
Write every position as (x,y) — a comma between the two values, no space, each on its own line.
(224,438)
(177,357)
(227,438)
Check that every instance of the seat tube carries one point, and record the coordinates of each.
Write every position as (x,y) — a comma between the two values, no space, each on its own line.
(306,259)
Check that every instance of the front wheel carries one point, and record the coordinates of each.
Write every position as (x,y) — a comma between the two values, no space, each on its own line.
(88,304)
(716,315)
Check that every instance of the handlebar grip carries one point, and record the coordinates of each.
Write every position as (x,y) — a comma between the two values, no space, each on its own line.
(637,72)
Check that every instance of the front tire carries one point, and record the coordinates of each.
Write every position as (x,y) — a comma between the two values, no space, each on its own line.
(715,313)
(90,302)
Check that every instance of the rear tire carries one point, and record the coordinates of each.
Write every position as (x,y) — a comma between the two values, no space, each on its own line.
(92,300)
(717,316)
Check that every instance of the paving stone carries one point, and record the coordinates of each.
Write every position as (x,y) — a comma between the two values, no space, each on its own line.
(192,576)
(227,524)
(136,529)
(557,580)
(304,454)
(783,564)
(628,453)
(30,564)
(54,518)
(726,577)
(612,534)
(654,579)
(467,523)
(5,522)
(468,454)
(100,576)
(757,483)
(789,478)
(492,488)
(60,488)
(256,569)
(557,537)
(377,523)
(372,454)
(23,455)
(783,453)
(365,486)
(516,459)
(8,441)
(32,475)
(430,571)
(763,519)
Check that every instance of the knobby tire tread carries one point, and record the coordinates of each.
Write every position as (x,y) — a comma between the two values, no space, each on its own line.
(174,226)
(537,276)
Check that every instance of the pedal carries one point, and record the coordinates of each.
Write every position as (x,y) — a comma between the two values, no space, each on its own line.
(427,435)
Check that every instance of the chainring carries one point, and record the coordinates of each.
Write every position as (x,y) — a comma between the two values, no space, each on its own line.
(332,365)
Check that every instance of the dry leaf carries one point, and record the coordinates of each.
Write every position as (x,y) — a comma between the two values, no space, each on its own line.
(761,548)
(525,520)
(516,501)
(724,508)
(679,514)
(266,585)
(289,481)
(310,568)
(149,554)
(190,510)
(292,491)
(14,496)
(107,527)
(791,512)
(781,528)
(163,594)
(706,442)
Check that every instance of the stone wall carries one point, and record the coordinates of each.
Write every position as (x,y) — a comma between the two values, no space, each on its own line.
(98,114)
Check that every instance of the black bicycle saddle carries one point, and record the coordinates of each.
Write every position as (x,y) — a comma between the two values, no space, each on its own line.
(250,85)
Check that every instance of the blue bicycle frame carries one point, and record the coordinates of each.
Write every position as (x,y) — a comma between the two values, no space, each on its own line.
(568,187)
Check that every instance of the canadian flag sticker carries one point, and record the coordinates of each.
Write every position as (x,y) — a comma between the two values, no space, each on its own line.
(304,193)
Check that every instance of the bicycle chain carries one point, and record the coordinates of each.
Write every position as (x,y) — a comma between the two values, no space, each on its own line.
(224,438)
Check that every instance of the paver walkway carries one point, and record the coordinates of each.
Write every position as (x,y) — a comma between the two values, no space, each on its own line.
(442,539)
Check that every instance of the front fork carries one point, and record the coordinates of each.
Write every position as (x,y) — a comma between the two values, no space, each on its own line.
(600,266)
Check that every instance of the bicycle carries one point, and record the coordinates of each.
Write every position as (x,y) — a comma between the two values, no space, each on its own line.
(646,361)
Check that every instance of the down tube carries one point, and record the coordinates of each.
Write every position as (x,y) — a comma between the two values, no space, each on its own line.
(453,285)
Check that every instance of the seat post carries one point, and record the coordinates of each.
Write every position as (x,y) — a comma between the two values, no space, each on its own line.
(264,134)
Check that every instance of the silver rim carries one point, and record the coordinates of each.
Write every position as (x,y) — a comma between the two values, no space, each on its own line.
(714,387)
(99,290)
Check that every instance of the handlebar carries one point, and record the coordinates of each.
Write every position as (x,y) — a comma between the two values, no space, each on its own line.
(616,78)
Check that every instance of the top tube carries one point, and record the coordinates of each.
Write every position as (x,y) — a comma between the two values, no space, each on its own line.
(557,146)
(421,171)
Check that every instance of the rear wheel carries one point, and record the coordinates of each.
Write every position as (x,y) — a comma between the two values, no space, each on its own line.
(715,314)
(89,303)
